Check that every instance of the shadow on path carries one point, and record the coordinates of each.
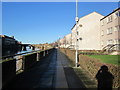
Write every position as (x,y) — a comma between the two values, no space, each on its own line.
(72,79)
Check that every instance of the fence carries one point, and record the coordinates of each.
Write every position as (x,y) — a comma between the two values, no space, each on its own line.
(93,65)
(12,66)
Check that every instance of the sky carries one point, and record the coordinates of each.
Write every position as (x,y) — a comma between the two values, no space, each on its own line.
(45,22)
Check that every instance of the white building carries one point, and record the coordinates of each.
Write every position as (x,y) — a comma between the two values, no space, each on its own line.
(61,43)
(88,32)
(110,30)
(65,42)
(94,32)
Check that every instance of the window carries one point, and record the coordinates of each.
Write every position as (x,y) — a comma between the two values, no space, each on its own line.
(102,22)
(102,33)
(117,14)
(109,30)
(110,42)
(117,41)
(77,33)
(109,19)
(117,28)
(102,43)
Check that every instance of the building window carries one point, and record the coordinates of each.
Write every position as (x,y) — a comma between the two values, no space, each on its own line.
(117,41)
(117,14)
(102,43)
(110,42)
(77,33)
(102,33)
(117,28)
(102,22)
(109,19)
(109,30)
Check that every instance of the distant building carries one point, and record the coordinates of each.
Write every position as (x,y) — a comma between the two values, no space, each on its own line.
(65,42)
(61,43)
(9,45)
(110,30)
(43,46)
(8,42)
(68,40)
(88,32)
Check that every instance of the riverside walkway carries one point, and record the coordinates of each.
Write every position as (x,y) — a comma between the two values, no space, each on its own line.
(53,71)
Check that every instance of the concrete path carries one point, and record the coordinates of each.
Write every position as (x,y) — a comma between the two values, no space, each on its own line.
(72,79)
(52,72)
(61,81)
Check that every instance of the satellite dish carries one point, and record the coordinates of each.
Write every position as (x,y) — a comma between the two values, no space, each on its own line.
(80,25)
(80,38)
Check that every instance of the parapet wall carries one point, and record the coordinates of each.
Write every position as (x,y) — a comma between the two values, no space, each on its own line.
(9,65)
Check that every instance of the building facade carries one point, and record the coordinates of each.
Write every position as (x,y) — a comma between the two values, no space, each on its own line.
(95,32)
(110,30)
(67,41)
(88,32)
(61,43)
(8,42)
(9,45)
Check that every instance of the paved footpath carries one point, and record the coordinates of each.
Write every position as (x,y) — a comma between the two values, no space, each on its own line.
(51,72)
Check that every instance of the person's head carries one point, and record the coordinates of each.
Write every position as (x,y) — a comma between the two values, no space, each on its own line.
(104,68)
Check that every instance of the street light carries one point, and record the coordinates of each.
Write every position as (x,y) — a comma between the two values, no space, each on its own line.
(76,19)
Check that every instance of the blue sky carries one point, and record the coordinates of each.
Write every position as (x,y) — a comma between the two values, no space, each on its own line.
(41,22)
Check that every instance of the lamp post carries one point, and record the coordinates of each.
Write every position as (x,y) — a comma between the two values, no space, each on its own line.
(76,19)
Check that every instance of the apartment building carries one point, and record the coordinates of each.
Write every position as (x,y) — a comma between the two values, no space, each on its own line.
(65,42)
(110,30)
(61,43)
(88,32)
(95,32)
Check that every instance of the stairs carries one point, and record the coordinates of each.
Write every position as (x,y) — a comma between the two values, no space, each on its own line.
(109,49)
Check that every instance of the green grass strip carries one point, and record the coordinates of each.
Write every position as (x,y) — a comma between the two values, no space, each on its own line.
(111,59)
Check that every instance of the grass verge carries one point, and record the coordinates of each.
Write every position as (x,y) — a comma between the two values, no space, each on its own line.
(111,59)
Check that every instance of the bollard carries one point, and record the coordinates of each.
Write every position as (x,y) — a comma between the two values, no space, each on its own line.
(43,53)
(38,56)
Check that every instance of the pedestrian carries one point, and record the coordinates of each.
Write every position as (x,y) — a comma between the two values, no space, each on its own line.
(104,78)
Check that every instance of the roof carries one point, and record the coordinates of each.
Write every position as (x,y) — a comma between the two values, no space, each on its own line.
(85,16)
(4,36)
(110,13)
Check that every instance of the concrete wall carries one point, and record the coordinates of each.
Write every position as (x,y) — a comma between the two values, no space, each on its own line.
(9,65)
(93,65)
(8,71)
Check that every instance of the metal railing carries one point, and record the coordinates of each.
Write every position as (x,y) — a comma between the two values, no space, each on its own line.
(111,47)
